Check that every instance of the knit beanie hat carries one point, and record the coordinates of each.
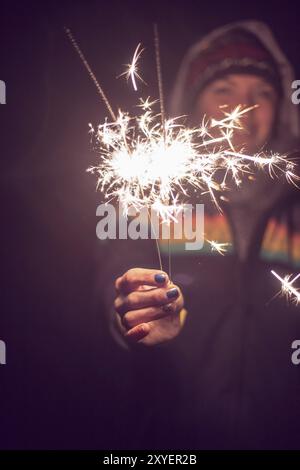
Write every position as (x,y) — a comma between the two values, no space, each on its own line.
(237,51)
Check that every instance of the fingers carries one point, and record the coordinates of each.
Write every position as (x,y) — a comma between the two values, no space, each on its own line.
(148,298)
(136,317)
(155,332)
(133,278)
(138,332)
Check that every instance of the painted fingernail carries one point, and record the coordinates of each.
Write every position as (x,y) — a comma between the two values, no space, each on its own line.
(172,293)
(160,278)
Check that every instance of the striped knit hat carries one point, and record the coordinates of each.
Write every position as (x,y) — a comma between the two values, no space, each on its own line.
(238,51)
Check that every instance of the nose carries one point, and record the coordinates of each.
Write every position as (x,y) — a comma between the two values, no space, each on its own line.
(245,99)
(248,120)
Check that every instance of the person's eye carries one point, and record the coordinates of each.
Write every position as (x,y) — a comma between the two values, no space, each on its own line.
(265,94)
(222,90)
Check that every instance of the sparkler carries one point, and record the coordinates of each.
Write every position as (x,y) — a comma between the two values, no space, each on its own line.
(162,112)
(153,162)
(287,288)
(143,165)
(148,160)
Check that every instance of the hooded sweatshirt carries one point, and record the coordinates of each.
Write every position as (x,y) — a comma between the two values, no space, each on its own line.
(228,380)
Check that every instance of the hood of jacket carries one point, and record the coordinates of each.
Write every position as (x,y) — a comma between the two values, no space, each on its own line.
(288,117)
(248,206)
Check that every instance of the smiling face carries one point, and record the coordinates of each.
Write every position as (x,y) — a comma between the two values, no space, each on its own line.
(241,89)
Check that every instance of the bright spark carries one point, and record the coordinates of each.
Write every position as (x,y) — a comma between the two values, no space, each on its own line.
(287,289)
(146,104)
(221,248)
(131,71)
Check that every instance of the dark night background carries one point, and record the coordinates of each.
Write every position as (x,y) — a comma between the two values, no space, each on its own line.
(65,379)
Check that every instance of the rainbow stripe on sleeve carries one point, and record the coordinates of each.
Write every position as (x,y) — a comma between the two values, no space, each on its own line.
(216,227)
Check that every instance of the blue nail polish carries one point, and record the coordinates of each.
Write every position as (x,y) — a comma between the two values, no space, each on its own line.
(172,293)
(160,278)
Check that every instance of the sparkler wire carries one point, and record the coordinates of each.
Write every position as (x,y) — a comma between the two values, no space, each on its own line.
(162,109)
(110,110)
(91,73)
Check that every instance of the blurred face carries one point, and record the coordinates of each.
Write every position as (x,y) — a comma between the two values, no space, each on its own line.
(248,90)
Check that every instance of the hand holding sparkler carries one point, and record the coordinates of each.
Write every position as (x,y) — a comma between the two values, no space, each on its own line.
(150,161)
(149,307)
